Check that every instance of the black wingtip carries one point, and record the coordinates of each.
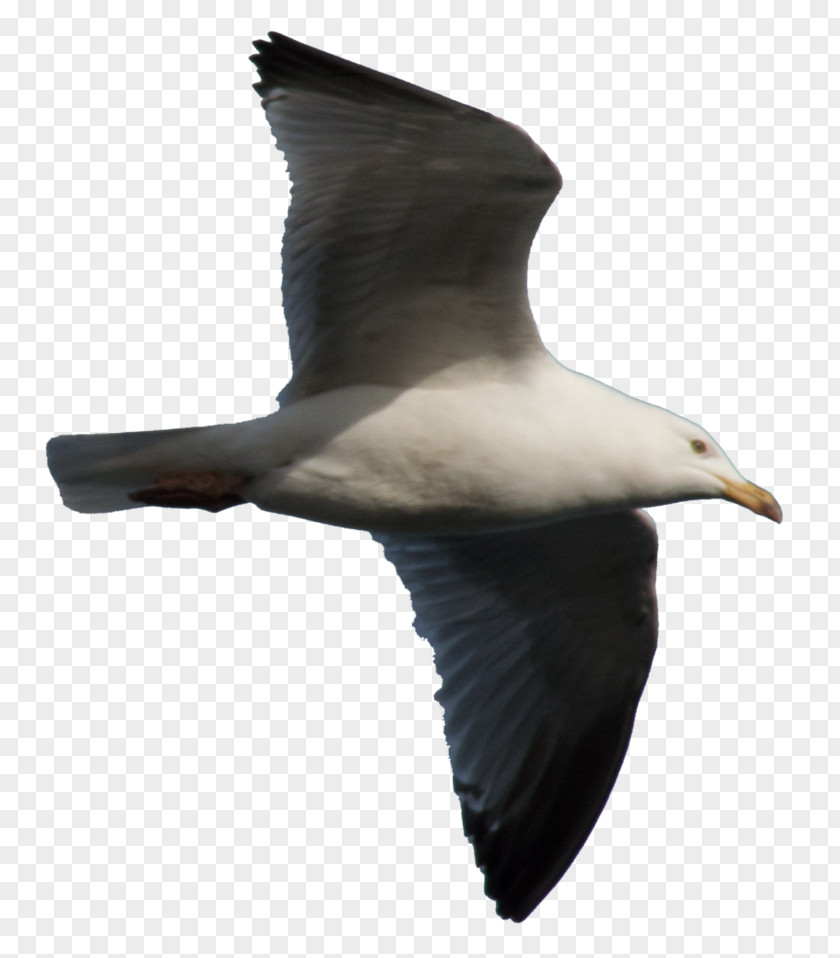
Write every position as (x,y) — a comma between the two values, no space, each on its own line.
(263,58)
(284,62)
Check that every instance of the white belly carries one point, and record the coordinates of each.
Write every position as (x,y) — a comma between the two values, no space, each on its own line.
(423,460)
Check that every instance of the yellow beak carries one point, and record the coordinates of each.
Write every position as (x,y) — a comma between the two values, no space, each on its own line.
(753,497)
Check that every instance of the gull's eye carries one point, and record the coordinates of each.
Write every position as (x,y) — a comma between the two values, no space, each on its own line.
(698,445)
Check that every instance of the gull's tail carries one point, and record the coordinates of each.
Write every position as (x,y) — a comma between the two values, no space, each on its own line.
(168,467)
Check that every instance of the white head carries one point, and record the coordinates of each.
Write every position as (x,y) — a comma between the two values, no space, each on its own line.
(656,457)
(682,461)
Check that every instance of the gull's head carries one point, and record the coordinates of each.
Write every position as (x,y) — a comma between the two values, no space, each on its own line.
(700,469)
(616,452)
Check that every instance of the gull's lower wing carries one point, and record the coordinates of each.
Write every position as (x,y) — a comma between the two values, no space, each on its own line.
(411,220)
(544,638)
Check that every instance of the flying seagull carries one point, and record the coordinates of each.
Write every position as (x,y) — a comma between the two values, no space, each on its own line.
(424,408)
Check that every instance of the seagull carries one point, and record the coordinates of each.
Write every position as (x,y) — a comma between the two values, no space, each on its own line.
(506,489)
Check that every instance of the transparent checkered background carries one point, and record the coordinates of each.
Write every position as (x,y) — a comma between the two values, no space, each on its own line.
(219,731)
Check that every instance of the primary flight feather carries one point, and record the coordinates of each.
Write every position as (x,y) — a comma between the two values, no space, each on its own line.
(424,408)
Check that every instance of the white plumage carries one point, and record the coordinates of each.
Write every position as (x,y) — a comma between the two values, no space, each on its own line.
(424,408)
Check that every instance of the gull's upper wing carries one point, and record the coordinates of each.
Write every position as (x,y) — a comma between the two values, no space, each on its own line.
(411,220)
(544,638)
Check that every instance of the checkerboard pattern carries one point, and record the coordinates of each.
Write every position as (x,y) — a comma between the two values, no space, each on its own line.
(219,731)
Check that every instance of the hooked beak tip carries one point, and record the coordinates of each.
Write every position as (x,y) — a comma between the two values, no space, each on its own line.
(752,497)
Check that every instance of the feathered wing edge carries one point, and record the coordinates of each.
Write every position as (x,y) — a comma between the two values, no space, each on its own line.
(287,63)
(412,216)
(544,639)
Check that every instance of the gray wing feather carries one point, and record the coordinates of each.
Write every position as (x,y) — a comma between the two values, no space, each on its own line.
(411,220)
(544,638)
